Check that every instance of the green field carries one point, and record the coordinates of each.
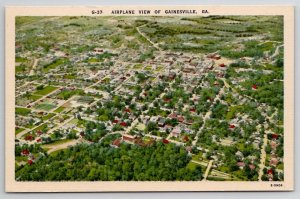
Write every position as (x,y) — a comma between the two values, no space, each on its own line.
(60,109)
(45,106)
(54,64)
(85,99)
(34,97)
(48,116)
(66,94)
(18,130)
(22,111)
(21,59)
(46,90)
(42,127)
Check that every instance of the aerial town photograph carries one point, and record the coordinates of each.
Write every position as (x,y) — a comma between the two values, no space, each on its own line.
(149,98)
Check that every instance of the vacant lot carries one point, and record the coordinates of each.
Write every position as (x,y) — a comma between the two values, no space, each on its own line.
(45,106)
(22,111)
(46,90)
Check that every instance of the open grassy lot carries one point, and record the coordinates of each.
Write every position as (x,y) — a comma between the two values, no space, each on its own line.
(18,130)
(48,116)
(46,90)
(85,99)
(45,106)
(59,109)
(34,97)
(22,111)
(42,127)
(54,64)
(66,94)
(50,145)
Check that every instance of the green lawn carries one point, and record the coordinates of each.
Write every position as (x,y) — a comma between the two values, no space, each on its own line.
(94,60)
(66,94)
(148,68)
(54,64)
(45,106)
(85,99)
(21,68)
(198,157)
(29,126)
(60,109)
(48,116)
(70,76)
(280,166)
(22,111)
(21,59)
(46,90)
(138,66)
(192,166)
(106,80)
(18,130)
(42,127)
(215,178)
(34,97)
(74,121)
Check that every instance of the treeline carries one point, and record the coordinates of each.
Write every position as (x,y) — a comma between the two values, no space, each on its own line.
(97,162)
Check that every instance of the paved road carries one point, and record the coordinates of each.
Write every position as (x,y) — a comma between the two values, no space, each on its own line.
(143,35)
(62,146)
(35,62)
(262,157)
(208,170)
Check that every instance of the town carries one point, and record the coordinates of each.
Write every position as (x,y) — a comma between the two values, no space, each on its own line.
(214,91)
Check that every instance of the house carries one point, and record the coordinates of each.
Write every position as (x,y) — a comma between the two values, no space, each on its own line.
(172,75)
(273,161)
(128,138)
(192,110)
(270,172)
(123,78)
(180,118)
(127,110)
(115,121)
(98,50)
(168,127)
(214,56)
(273,144)
(239,155)
(217,57)
(165,141)
(116,143)
(39,132)
(176,132)
(167,100)
(216,83)
(222,65)
(124,124)
(240,164)
(254,87)
(231,126)
(188,122)
(189,149)
(30,162)
(275,136)
(252,166)
(25,152)
(29,137)
(173,115)
(185,138)
(161,122)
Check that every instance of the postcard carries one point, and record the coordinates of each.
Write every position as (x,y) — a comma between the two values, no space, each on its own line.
(149,98)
